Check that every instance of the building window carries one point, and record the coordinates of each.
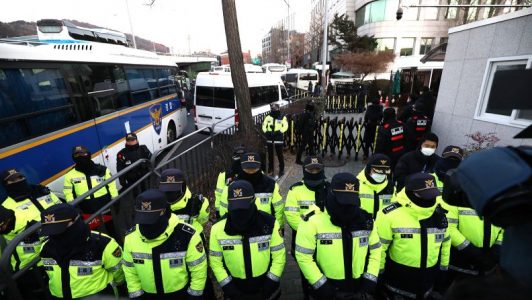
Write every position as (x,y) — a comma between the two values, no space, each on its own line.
(429,13)
(452,12)
(426,45)
(406,46)
(377,11)
(486,110)
(384,44)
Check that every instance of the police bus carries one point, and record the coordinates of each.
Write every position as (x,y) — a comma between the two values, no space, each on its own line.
(74,86)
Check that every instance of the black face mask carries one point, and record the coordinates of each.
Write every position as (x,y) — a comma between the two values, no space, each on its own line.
(18,190)
(235,168)
(152,231)
(75,236)
(443,165)
(313,181)
(83,163)
(241,220)
(342,215)
(254,178)
(275,114)
(425,203)
(132,147)
(173,197)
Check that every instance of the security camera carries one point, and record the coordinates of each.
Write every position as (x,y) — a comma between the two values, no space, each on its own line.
(399,14)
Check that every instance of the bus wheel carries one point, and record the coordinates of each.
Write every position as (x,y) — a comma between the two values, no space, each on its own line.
(171,133)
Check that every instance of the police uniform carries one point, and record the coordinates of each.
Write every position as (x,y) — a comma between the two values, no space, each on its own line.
(85,265)
(376,195)
(268,199)
(172,264)
(226,177)
(415,240)
(391,137)
(323,241)
(247,258)
(83,177)
(274,126)
(189,208)
(27,210)
(129,155)
(415,127)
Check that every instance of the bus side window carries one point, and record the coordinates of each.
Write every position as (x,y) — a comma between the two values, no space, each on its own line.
(166,82)
(34,102)
(143,85)
(106,92)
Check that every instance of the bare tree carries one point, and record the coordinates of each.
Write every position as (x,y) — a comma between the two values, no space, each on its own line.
(315,34)
(365,63)
(236,61)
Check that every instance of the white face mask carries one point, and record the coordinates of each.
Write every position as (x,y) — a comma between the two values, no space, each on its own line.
(379,178)
(428,151)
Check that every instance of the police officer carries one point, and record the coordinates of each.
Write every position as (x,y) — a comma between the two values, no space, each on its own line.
(84,176)
(190,208)
(416,126)
(376,188)
(372,118)
(339,251)
(226,177)
(305,198)
(247,253)
(475,241)
(24,204)
(274,126)
(79,262)
(415,240)
(306,129)
(131,153)
(266,189)
(164,258)
(390,137)
(421,160)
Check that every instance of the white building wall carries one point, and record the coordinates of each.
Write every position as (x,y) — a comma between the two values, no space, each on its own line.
(469,49)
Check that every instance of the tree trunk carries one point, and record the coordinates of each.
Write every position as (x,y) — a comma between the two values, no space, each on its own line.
(238,73)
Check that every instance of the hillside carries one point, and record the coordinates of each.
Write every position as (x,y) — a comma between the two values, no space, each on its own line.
(21,28)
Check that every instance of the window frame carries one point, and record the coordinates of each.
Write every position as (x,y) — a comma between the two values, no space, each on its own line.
(487,81)
(431,45)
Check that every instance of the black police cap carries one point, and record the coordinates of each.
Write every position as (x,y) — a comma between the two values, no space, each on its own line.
(423,184)
(172,180)
(57,218)
(345,187)
(250,160)
(150,205)
(240,195)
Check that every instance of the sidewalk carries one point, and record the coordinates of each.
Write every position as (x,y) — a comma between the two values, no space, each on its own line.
(291,281)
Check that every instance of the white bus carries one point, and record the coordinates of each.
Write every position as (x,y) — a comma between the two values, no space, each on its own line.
(214,98)
(56,94)
(300,78)
(274,69)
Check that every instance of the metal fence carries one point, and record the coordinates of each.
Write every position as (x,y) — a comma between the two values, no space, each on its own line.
(201,163)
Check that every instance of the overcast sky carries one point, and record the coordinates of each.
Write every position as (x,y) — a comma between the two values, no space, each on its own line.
(170,22)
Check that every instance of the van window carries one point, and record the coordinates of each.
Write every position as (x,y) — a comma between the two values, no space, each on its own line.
(215,97)
(308,76)
(291,77)
(263,95)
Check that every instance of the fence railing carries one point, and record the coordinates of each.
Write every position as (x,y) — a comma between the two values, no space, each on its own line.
(201,163)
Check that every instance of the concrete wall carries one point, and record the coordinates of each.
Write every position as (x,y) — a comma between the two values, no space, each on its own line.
(465,64)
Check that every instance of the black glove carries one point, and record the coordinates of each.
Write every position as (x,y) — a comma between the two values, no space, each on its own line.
(269,288)
(441,282)
(471,252)
(231,291)
(190,297)
(368,286)
(363,296)
(326,291)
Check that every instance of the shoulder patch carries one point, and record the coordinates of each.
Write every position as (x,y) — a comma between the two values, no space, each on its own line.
(117,253)
(300,183)
(391,207)
(199,247)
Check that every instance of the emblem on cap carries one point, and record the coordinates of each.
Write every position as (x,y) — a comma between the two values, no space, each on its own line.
(455,150)
(49,218)
(314,161)
(350,187)
(11,172)
(237,193)
(383,162)
(146,206)
(78,148)
(170,179)
(251,158)
(429,183)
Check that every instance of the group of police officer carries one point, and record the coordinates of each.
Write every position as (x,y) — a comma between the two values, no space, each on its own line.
(355,237)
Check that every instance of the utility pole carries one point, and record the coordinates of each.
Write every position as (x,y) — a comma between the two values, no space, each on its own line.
(288,35)
(236,61)
(324,50)
(131,26)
